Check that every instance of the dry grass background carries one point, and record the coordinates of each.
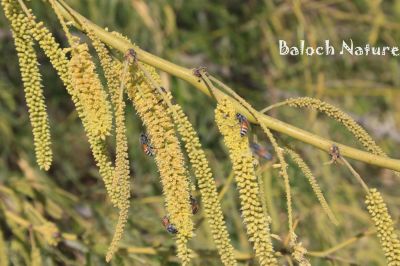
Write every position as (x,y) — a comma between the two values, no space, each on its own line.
(237,42)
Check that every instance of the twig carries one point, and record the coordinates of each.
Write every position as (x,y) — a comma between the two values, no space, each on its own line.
(356,175)
(341,245)
(226,186)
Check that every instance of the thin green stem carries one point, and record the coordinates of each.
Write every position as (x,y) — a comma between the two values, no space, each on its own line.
(24,8)
(226,186)
(272,106)
(62,21)
(186,74)
(209,84)
(341,245)
(356,175)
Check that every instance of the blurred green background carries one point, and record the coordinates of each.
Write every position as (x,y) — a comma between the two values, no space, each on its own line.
(238,42)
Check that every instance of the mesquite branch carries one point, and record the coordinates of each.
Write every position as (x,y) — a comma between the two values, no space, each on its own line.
(187,75)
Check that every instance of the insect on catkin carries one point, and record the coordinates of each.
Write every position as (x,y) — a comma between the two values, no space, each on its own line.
(169,158)
(256,223)
(31,78)
(384,224)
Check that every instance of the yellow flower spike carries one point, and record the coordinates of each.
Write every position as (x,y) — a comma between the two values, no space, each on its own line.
(257,224)
(94,109)
(384,224)
(122,161)
(207,186)
(120,183)
(202,171)
(106,170)
(278,150)
(169,157)
(119,231)
(343,118)
(90,92)
(313,182)
(116,81)
(31,79)
(122,172)
(284,174)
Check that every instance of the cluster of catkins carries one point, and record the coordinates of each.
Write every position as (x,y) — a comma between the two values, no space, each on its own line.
(97,113)
(99,108)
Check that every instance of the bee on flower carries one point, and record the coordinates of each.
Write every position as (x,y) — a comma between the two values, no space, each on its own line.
(147,148)
(168,226)
(194,204)
(244,124)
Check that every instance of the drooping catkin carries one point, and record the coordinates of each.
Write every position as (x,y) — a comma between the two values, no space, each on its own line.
(207,186)
(284,174)
(384,224)
(343,118)
(120,185)
(278,150)
(257,225)
(119,231)
(313,182)
(31,79)
(169,157)
(59,61)
(122,173)
(116,82)
(95,113)
(89,90)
